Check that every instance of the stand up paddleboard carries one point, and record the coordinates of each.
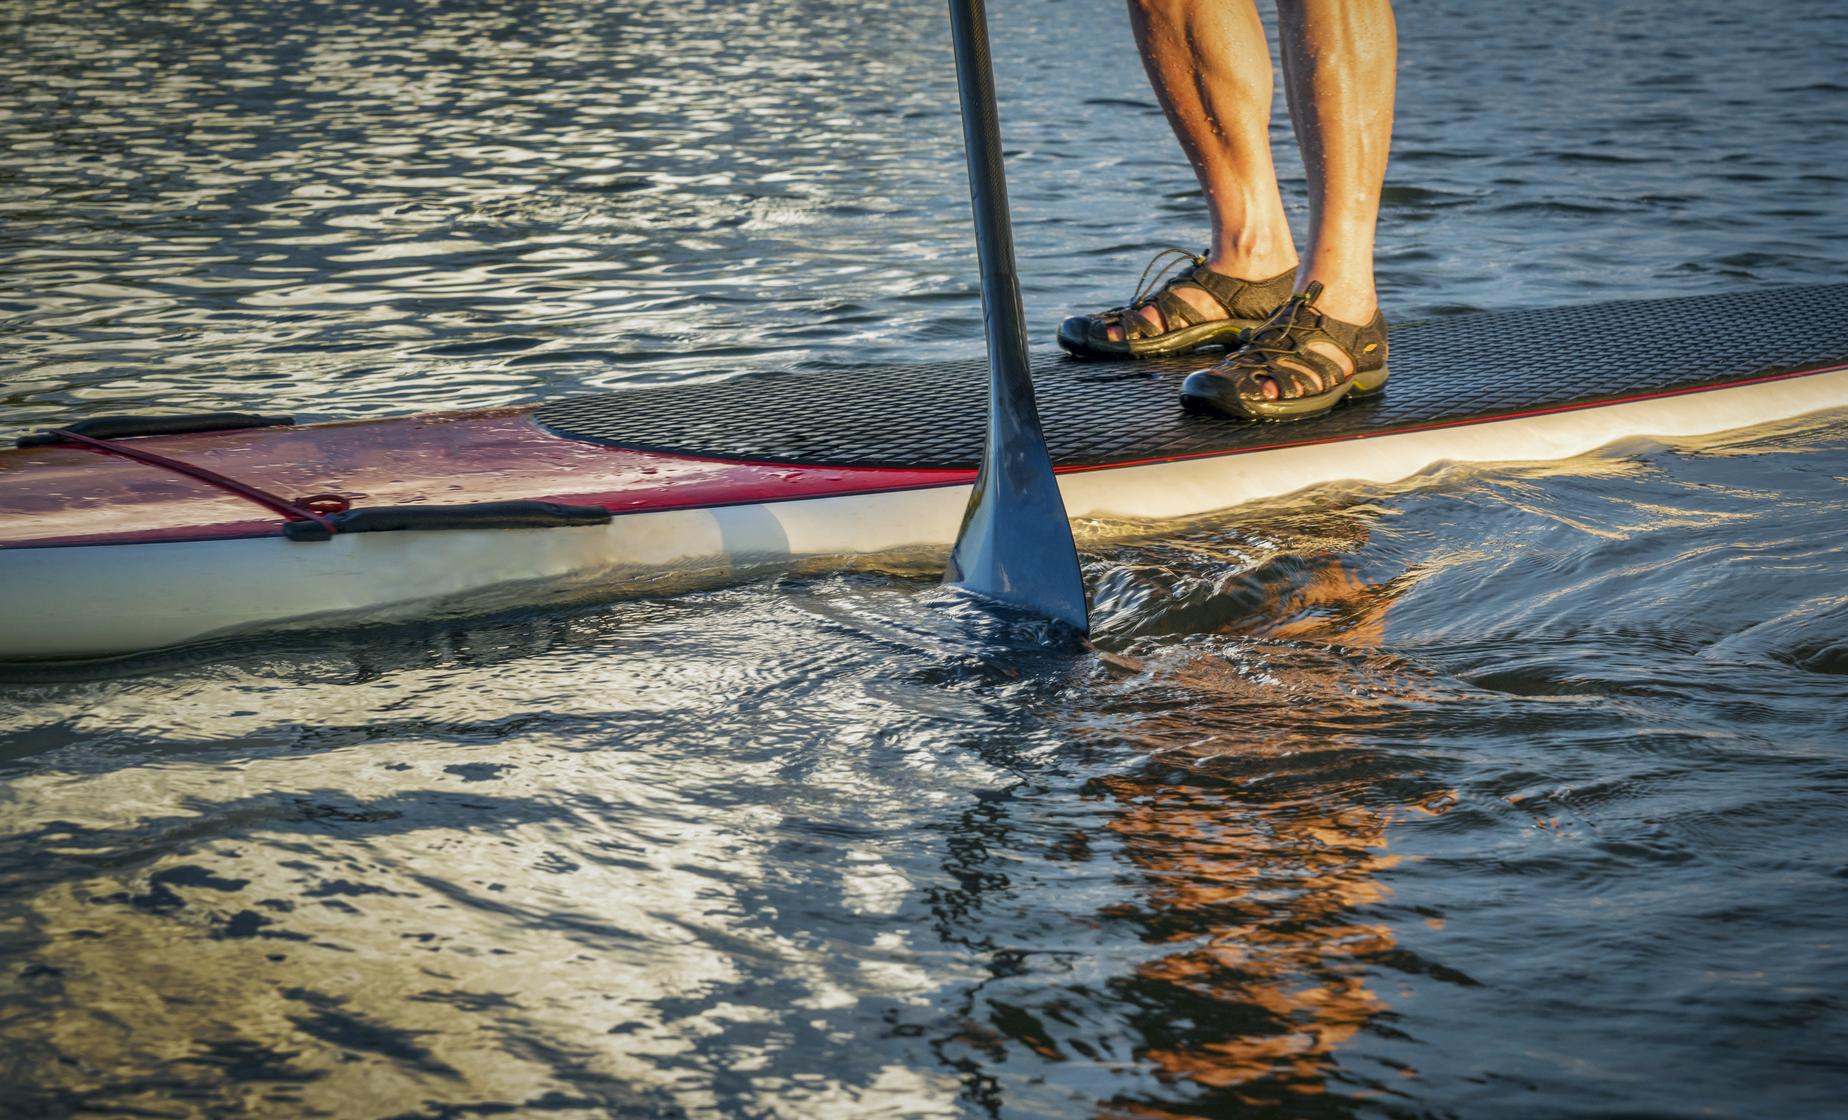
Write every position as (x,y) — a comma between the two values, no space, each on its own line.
(103,554)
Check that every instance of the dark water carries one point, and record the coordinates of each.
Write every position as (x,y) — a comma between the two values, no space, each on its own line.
(1517,791)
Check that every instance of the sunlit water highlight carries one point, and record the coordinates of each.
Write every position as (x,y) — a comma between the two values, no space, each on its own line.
(1508,791)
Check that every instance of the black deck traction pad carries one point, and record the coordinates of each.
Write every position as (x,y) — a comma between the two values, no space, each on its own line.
(1444,371)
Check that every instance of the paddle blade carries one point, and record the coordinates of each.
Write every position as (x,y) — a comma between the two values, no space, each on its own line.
(1015,545)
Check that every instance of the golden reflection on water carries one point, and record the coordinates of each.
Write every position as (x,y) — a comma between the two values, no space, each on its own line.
(309,962)
(1306,978)
(1264,900)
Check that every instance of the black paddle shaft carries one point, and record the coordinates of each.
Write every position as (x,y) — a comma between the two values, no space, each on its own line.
(1016,544)
(994,229)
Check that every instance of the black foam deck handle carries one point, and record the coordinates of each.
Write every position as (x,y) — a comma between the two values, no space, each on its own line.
(475,515)
(129,427)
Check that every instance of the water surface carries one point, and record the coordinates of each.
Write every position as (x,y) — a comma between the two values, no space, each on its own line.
(1515,790)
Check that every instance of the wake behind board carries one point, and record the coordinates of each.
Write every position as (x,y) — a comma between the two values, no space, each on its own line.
(102,555)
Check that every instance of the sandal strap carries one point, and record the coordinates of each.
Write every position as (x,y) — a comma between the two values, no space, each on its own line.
(1097,325)
(1175,311)
(1365,342)
(1245,299)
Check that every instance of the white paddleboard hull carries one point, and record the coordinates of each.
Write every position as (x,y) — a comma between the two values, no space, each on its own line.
(86,601)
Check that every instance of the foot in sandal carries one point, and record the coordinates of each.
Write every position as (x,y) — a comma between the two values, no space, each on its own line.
(1301,363)
(1191,309)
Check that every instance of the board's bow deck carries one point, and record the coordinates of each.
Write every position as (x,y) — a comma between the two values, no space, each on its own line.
(62,496)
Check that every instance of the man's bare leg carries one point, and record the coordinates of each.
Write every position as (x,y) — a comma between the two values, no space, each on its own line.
(1210,65)
(1339,58)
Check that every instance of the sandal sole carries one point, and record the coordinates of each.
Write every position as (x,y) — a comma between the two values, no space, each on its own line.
(1368,384)
(1183,341)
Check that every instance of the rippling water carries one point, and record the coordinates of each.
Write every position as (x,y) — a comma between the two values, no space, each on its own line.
(1514,791)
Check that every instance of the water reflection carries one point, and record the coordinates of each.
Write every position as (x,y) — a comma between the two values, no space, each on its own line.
(1267,912)
(1261,855)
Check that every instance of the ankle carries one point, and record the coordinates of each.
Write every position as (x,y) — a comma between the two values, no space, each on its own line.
(1344,302)
(1250,257)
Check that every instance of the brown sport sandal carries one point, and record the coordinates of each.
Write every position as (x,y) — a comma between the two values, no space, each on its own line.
(1184,328)
(1308,383)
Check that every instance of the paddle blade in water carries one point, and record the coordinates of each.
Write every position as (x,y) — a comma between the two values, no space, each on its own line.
(1016,544)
